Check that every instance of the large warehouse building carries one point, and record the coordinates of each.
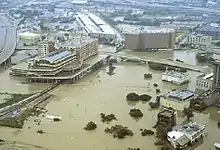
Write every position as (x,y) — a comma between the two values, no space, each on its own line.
(148,39)
(96,27)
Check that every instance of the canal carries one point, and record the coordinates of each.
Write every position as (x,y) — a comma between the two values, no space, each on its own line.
(99,92)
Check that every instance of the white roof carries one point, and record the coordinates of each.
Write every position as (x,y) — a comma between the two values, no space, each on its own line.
(208,75)
(29,34)
(175,134)
(94,24)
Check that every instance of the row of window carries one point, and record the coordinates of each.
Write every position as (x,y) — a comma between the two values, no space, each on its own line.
(203,84)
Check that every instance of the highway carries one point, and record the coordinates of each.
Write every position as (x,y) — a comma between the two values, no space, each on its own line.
(8,39)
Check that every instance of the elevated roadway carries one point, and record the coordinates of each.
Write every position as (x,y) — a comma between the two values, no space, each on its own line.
(8,39)
(155,60)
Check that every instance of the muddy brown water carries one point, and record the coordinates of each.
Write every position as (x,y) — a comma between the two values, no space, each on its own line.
(98,92)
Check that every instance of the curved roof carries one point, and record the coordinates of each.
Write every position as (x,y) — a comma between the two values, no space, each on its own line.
(52,57)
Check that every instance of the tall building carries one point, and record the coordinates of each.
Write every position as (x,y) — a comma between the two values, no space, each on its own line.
(150,39)
(85,47)
(46,47)
(216,71)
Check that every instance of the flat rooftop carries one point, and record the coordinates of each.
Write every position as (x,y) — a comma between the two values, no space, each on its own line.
(181,95)
(189,128)
(167,112)
(78,41)
(95,24)
(55,56)
(208,76)
(136,29)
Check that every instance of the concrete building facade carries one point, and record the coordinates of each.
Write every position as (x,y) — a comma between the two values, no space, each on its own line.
(85,47)
(46,47)
(150,40)
(216,81)
(205,82)
(178,100)
(166,119)
(182,135)
(198,39)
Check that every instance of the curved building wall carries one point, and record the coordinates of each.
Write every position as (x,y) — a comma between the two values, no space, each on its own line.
(149,41)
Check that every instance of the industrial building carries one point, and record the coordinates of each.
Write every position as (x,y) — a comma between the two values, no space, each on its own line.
(199,39)
(95,27)
(182,135)
(85,47)
(148,39)
(178,100)
(205,82)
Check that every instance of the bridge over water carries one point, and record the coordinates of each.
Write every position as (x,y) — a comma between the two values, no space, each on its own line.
(155,60)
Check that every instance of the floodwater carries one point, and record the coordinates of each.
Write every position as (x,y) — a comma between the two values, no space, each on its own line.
(98,92)
(187,56)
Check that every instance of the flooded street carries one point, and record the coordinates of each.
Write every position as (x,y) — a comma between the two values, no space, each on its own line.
(98,92)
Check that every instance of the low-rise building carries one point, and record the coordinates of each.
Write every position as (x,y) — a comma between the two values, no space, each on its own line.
(182,135)
(178,100)
(51,64)
(166,119)
(199,39)
(95,27)
(29,36)
(175,77)
(205,82)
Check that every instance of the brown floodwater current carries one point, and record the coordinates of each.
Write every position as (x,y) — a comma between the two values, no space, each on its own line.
(98,92)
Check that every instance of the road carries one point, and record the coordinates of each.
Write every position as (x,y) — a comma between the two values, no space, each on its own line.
(8,38)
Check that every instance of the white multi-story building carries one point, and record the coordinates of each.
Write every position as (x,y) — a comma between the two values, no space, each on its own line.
(205,81)
(198,39)
(46,47)
(182,135)
(178,100)
(175,77)
(96,27)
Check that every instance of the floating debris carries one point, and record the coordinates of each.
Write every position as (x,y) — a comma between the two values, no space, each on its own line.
(107,118)
(119,131)
(90,126)
(133,148)
(136,113)
(54,118)
(40,131)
